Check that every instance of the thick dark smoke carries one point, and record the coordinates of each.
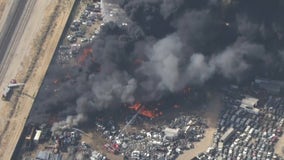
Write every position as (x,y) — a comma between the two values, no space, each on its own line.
(171,44)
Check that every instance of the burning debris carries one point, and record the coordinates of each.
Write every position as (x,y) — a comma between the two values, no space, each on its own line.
(163,47)
(142,110)
(86,52)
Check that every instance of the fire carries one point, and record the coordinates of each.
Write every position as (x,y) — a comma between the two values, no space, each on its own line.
(144,111)
(86,53)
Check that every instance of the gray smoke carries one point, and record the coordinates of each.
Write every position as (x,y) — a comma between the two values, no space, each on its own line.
(169,45)
(282,54)
(163,62)
(107,88)
(169,7)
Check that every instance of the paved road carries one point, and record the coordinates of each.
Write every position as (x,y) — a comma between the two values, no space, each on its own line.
(11,35)
(12,32)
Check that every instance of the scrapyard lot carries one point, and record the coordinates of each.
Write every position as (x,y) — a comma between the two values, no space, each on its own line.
(108,136)
(81,32)
(255,133)
(162,138)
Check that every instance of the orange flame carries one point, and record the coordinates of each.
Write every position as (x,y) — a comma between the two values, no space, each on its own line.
(86,53)
(144,111)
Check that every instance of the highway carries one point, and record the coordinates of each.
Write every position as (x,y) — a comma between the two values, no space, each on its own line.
(12,32)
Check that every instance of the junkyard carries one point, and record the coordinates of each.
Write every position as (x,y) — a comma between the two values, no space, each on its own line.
(243,132)
(249,125)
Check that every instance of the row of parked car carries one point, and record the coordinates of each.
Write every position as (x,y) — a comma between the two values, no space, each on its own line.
(254,136)
(88,17)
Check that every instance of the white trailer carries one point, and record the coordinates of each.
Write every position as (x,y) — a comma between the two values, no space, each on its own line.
(37,136)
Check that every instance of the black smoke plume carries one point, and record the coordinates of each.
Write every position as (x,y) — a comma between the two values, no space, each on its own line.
(169,45)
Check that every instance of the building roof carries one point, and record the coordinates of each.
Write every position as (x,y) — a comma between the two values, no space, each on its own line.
(170,132)
(250,101)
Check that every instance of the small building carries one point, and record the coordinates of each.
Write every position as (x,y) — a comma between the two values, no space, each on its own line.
(250,101)
(227,135)
(171,133)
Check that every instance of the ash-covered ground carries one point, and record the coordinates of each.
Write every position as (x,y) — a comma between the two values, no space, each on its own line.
(162,47)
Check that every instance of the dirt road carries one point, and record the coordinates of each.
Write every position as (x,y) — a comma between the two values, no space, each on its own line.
(27,57)
(211,113)
(279,146)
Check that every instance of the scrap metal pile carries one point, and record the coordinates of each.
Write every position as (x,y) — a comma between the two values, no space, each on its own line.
(164,141)
(68,141)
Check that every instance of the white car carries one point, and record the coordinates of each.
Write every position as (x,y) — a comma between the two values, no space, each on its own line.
(84,40)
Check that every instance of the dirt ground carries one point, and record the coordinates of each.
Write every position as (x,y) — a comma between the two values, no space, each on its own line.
(92,138)
(36,44)
(279,145)
(211,113)
(2,7)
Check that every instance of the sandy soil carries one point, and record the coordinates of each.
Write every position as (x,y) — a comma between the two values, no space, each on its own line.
(36,43)
(211,113)
(2,7)
(279,145)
